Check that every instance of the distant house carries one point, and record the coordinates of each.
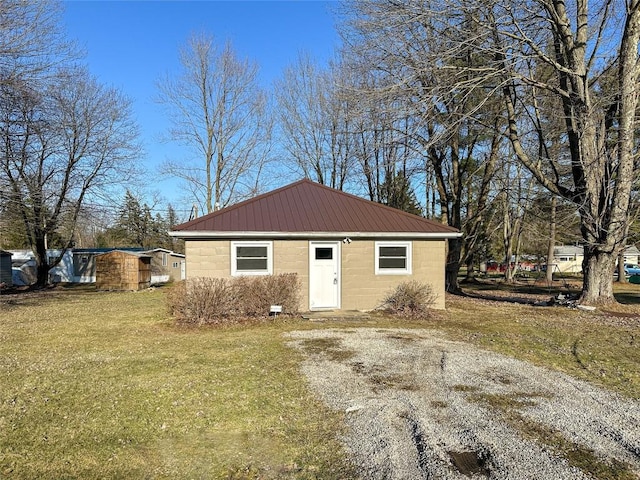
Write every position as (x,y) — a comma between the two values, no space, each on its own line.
(166,266)
(348,252)
(6,279)
(568,258)
(632,255)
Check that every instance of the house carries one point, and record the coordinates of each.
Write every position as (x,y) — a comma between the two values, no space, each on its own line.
(348,252)
(123,270)
(568,258)
(6,279)
(166,266)
(631,255)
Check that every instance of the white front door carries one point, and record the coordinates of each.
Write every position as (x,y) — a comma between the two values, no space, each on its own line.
(324,275)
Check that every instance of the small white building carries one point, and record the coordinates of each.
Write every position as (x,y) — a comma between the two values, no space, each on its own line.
(568,258)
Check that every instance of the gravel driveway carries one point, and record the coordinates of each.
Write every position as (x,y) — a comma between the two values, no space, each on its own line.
(418,406)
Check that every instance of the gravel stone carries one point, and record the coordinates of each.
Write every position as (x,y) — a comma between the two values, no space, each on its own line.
(415,407)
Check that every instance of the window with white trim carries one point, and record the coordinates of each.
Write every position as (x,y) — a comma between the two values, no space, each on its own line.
(251,258)
(165,260)
(393,258)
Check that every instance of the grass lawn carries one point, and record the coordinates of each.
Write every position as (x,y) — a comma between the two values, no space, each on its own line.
(102,385)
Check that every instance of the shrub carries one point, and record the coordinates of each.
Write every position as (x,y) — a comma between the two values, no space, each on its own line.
(216,301)
(256,294)
(410,299)
(201,301)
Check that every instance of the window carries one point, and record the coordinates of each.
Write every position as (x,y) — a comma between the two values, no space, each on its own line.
(324,253)
(164,259)
(175,264)
(251,258)
(393,258)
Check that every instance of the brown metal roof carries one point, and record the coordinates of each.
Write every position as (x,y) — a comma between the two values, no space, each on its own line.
(306,206)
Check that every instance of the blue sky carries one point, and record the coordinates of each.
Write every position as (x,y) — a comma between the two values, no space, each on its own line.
(130,44)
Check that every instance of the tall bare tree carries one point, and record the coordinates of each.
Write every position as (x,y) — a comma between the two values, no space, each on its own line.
(61,144)
(536,50)
(394,42)
(315,121)
(219,112)
(64,138)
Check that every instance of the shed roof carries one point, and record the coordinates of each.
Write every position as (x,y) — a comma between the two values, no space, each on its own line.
(125,252)
(306,208)
(5,253)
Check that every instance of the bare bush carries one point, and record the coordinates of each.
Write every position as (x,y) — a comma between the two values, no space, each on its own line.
(256,294)
(410,299)
(219,301)
(201,301)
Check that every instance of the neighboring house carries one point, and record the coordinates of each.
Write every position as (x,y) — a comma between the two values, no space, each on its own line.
(568,258)
(166,266)
(632,255)
(23,265)
(348,252)
(6,279)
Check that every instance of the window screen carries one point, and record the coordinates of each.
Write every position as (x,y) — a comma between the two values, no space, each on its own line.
(251,258)
(392,258)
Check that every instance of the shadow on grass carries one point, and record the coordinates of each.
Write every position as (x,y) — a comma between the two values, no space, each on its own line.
(627,298)
(528,293)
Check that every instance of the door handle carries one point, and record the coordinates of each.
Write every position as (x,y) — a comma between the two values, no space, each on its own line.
(335,280)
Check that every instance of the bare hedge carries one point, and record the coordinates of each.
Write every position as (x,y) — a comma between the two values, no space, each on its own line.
(410,299)
(220,301)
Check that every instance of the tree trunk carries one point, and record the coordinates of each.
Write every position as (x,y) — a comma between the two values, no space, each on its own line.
(453,265)
(597,268)
(622,278)
(471,273)
(42,264)
(552,239)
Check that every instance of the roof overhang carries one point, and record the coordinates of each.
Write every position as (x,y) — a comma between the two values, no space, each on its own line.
(302,235)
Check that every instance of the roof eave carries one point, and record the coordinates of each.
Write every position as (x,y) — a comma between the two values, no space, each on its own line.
(300,235)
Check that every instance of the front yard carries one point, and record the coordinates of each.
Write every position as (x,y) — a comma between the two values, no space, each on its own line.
(103,385)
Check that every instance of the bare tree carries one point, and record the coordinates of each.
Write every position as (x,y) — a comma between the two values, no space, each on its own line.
(559,52)
(315,121)
(220,113)
(395,42)
(31,39)
(61,144)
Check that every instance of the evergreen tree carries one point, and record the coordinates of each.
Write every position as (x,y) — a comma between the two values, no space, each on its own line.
(396,192)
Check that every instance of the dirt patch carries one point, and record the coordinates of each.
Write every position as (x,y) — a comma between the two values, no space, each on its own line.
(419,406)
